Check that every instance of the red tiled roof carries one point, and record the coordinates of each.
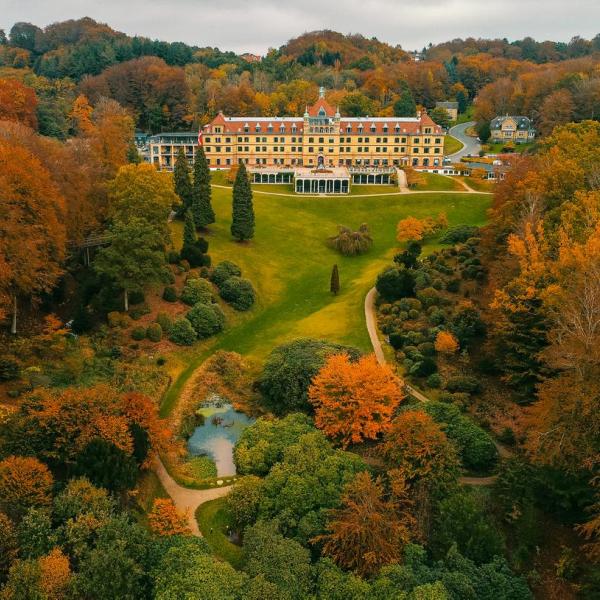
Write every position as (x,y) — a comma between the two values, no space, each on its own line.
(313,110)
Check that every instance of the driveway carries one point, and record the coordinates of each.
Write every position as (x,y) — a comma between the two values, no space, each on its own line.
(471,145)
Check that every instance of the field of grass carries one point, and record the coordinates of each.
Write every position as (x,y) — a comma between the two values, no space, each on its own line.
(451,145)
(435,182)
(213,521)
(479,185)
(289,263)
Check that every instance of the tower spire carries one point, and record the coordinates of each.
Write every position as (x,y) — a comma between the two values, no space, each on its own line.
(321,92)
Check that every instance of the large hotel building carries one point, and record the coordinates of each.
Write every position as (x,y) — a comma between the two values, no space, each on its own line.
(321,139)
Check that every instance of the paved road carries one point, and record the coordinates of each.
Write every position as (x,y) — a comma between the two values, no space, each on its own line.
(471,145)
(188,500)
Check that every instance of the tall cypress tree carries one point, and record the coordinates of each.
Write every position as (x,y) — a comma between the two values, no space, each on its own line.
(242,224)
(202,209)
(182,181)
(334,286)
(189,229)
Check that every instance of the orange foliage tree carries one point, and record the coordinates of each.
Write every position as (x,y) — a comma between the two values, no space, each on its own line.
(354,401)
(446,343)
(55,574)
(417,447)
(367,531)
(31,228)
(17,102)
(166,519)
(64,421)
(24,482)
(413,229)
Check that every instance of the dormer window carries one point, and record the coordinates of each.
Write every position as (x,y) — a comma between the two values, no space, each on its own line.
(294,128)
(322,112)
(373,128)
(397,128)
(385,128)
(270,127)
(246,128)
(282,128)
(257,128)
(360,128)
(349,129)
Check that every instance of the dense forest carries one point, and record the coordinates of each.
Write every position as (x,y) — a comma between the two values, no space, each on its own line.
(176,86)
(463,465)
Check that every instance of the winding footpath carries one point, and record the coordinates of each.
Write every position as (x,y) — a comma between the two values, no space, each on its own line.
(188,500)
(470,143)
(371,321)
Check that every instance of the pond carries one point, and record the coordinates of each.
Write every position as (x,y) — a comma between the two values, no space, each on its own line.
(216,436)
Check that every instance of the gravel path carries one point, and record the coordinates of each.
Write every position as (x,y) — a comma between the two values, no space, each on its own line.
(188,500)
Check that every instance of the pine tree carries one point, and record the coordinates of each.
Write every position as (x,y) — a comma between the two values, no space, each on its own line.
(189,229)
(335,281)
(242,224)
(201,205)
(181,180)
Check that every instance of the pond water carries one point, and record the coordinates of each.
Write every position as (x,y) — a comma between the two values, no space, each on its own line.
(217,435)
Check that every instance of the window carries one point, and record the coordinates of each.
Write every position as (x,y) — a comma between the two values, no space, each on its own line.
(331,140)
(378,140)
(227,140)
(217,140)
(366,140)
(257,128)
(239,148)
(438,140)
(311,140)
(218,149)
(239,139)
(321,140)
(384,149)
(207,139)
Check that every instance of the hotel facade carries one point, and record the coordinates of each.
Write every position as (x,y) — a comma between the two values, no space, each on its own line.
(322,138)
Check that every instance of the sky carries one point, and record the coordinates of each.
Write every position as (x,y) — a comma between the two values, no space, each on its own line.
(257,25)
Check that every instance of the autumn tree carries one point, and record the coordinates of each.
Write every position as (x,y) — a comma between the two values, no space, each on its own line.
(81,116)
(242,223)
(368,530)
(166,519)
(135,257)
(202,209)
(17,103)
(24,482)
(58,424)
(9,545)
(446,343)
(354,401)
(182,182)
(55,574)
(31,228)
(418,448)
(413,229)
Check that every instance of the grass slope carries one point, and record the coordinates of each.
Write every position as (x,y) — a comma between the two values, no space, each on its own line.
(290,264)
(451,144)
(213,521)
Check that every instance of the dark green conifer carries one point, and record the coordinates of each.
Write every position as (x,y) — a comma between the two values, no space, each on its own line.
(182,181)
(202,209)
(335,281)
(242,224)
(189,229)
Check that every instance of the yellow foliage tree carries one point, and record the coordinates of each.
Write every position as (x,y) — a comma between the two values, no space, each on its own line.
(446,343)
(166,519)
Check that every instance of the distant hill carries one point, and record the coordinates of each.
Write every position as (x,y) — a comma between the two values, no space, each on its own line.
(328,47)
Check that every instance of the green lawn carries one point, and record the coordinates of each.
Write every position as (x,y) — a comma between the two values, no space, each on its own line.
(451,144)
(213,521)
(497,147)
(435,182)
(290,265)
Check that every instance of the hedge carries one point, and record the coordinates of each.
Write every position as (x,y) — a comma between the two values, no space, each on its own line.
(238,292)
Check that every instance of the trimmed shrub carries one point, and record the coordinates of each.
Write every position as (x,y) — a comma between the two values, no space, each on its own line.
(173,257)
(185,265)
(206,319)
(463,383)
(475,445)
(413,314)
(182,333)
(136,297)
(396,340)
(169,276)
(434,381)
(424,368)
(195,255)
(138,333)
(192,275)
(223,271)
(117,319)
(458,234)
(154,332)
(165,321)
(169,294)
(238,292)
(393,284)
(139,311)
(197,291)
(426,348)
